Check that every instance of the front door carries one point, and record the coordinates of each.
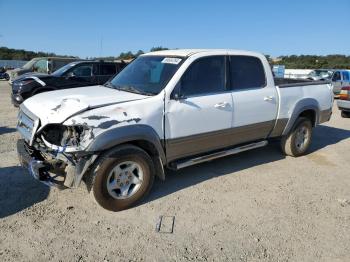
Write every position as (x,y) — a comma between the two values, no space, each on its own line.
(199,119)
(81,75)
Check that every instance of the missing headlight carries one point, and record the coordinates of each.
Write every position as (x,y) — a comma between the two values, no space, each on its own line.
(61,135)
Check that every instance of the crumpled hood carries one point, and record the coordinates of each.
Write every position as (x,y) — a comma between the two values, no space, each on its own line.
(57,106)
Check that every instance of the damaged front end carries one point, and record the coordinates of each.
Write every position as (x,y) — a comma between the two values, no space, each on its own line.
(54,154)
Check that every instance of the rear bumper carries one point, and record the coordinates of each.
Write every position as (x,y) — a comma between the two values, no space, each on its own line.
(36,167)
(343,105)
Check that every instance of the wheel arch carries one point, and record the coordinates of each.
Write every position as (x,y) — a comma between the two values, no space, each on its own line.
(142,136)
(308,108)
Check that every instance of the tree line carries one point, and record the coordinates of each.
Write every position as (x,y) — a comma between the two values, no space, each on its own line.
(313,61)
(292,61)
(21,54)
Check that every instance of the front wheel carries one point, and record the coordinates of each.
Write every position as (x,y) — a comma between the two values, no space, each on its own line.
(297,142)
(122,178)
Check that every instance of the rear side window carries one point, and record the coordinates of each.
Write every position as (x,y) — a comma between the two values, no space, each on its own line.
(246,72)
(107,69)
(204,76)
(83,70)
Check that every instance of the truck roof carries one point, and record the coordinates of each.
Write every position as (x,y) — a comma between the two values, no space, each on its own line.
(189,52)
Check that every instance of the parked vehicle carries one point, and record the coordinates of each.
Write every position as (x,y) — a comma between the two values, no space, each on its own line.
(75,74)
(45,65)
(339,79)
(344,102)
(4,74)
(320,74)
(166,109)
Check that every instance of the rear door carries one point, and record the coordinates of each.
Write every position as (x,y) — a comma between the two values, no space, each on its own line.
(200,119)
(254,101)
(345,75)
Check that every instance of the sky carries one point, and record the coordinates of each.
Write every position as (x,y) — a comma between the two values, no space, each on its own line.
(106,27)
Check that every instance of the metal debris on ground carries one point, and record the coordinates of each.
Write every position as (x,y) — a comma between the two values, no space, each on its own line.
(344,202)
(165,224)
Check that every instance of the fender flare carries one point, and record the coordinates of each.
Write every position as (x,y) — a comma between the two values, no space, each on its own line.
(125,134)
(301,106)
(114,137)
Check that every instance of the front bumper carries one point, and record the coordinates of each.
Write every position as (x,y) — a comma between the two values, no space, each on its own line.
(343,105)
(37,167)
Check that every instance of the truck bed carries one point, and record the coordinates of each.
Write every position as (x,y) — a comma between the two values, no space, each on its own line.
(290,82)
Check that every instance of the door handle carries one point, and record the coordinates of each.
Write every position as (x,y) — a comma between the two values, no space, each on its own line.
(268,98)
(221,105)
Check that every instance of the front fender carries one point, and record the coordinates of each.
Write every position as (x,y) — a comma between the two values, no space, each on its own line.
(124,134)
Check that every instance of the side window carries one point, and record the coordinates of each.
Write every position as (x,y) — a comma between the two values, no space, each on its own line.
(41,66)
(246,72)
(56,64)
(336,76)
(107,69)
(345,76)
(83,70)
(205,75)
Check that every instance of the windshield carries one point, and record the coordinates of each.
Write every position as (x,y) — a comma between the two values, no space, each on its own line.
(321,73)
(146,75)
(30,63)
(63,69)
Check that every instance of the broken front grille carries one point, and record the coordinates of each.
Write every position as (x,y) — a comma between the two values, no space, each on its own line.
(27,126)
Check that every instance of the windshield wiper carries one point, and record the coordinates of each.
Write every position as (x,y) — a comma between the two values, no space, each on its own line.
(134,90)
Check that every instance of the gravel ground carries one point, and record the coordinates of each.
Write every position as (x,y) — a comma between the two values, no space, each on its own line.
(256,206)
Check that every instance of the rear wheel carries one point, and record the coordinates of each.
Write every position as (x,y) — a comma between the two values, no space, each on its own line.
(297,142)
(345,114)
(123,178)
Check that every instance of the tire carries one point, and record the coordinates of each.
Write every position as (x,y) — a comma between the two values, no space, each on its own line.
(107,189)
(345,114)
(297,142)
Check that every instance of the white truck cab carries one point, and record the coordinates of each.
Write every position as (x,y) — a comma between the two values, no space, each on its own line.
(166,109)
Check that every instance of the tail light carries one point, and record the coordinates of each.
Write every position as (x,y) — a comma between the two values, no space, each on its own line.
(345,93)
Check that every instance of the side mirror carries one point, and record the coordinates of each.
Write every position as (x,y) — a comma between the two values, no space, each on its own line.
(176,94)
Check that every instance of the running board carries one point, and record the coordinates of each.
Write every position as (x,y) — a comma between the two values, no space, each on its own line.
(201,159)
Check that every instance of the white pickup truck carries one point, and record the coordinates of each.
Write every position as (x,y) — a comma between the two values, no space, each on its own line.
(167,109)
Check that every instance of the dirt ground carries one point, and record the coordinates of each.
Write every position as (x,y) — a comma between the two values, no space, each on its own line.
(256,206)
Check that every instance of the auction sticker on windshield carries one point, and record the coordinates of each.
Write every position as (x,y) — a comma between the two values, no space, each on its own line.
(171,60)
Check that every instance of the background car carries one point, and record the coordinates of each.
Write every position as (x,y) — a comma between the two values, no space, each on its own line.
(45,65)
(320,74)
(4,74)
(340,79)
(344,101)
(75,74)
